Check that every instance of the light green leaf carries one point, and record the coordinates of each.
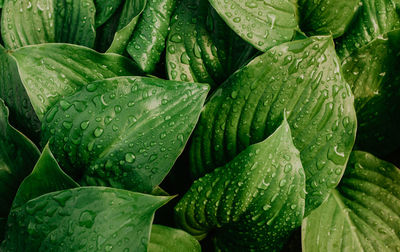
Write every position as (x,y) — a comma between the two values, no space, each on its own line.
(252,203)
(124,132)
(325,17)
(12,91)
(372,72)
(51,71)
(148,40)
(36,21)
(104,10)
(18,155)
(201,47)
(375,18)
(46,177)
(126,24)
(362,214)
(302,78)
(263,24)
(83,219)
(166,239)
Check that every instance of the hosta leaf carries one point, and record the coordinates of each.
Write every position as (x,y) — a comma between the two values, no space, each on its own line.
(372,72)
(375,18)
(201,47)
(127,20)
(252,203)
(104,10)
(18,155)
(46,177)
(51,71)
(36,21)
(362,214)
(302,77)
(22,114)
(148,40)
(166,239)
(324,17)
(124,132)
(83,219)
(263,24)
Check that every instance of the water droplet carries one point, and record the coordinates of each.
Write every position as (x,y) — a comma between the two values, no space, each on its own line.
(130,157)
(98,132)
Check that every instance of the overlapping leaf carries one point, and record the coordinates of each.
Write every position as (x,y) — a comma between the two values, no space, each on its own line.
(263,24)
(124,132)
(166,239)
(86,218)
(51,71)
(22,114)
(302,78)
(375,18)
(252,203)
(362,214)
(114,35)
(201,47)
(148,40)
(372,72)
(105,9)
(17,156)
(46,177)
(324,17)
(28,22)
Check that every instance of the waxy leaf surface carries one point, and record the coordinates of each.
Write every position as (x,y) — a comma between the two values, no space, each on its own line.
(254,202)
(304,79)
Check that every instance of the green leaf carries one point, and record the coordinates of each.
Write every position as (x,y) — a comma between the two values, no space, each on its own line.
(12,91)
(201,47)
(372,72)
(48,74)
(375,18)
(124,132)
(252,203)
(262,24)
(104,10)
(148,40)
(17,157)
(126,24)
(36,21)
(83,219)
(362,214)
(325,17)
(166,239)
(46,177)
(302,77)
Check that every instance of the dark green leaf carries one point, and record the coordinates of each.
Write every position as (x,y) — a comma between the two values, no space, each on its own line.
(302,77)
(12,91)
(18,155)
(104,10)
(83,219)
(201,47)
(373,74)
(263,24)
(362,214)
(375,18)
(46,177)
(166,239)
(36,21)
(325,17)
(252,203)
(148,41)
(51,71)
(124,132)
(127,21)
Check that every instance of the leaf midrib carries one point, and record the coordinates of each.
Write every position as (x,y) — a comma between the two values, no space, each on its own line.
(342,206)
